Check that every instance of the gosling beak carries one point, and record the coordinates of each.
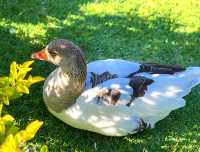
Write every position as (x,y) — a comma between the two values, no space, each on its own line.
(40,55)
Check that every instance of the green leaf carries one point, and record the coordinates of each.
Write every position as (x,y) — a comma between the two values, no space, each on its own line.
(16,84)
(12,130)
(44,148)
(22,89)
(13,69)
(24,82)
(5,100)
(35,79)
(4,80)
(9,145)
(2,128)
(7,118)
(29,132)
(1,108)
(10,91)
(16,95)
(23,72)
(27,64)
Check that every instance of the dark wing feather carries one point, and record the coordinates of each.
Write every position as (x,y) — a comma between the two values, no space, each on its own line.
(100,78)
(154,68)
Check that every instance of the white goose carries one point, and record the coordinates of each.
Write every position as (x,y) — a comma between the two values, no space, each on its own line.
(111,97)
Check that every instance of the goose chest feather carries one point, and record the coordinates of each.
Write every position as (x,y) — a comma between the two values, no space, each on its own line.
(111,97)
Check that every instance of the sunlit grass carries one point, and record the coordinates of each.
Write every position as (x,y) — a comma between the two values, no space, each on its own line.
(185,13)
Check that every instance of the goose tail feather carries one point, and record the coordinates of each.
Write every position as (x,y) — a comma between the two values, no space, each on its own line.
(193,74)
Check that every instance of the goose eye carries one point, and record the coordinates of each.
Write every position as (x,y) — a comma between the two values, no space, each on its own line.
(53,53)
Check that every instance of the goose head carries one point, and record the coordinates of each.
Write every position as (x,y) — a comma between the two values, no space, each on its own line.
(69,78)
(63,53)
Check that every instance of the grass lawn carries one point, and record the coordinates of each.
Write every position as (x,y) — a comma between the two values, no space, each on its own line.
(164,31)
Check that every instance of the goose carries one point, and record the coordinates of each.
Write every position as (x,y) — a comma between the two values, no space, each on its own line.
(112,97)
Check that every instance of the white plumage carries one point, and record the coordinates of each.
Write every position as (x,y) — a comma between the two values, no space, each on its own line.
(163,96)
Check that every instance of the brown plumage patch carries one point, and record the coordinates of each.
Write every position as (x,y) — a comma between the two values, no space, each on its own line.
(154,68)
(99,78)
(111,96)
(139,85)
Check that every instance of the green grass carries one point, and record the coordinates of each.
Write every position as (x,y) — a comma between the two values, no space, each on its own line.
(164,31)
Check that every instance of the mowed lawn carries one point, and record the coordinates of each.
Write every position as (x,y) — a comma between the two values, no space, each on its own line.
(164,31)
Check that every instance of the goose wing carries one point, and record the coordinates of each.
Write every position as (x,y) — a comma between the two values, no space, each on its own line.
(126,105)
(102,70)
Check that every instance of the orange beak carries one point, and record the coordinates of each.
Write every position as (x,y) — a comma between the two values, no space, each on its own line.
(40,55)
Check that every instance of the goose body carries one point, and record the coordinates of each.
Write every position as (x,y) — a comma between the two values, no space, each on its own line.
(117,97)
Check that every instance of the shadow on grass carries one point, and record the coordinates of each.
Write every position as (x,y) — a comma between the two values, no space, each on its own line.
(120,36)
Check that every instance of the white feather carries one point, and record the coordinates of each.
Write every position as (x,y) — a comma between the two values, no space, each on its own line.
(162,96)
